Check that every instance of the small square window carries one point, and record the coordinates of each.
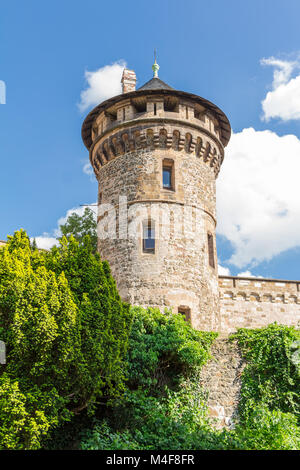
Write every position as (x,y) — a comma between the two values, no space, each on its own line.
(185,312)
(148,237)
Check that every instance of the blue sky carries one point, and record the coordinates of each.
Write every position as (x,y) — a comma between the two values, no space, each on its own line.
(214,49)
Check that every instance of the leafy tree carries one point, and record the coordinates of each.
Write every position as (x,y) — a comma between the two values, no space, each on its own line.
(163,349)
(65,334)
(79,226)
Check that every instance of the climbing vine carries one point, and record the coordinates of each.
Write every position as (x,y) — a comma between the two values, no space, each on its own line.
(272,373)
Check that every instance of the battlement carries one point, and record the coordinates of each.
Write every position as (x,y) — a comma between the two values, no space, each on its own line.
(256,302)
(153,134)
(159,107)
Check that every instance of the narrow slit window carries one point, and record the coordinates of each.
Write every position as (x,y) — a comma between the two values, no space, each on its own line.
(154,109)
(168,174)
(148,237)
(211,257)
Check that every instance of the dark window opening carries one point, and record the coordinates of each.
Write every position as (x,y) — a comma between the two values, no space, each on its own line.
(168,174)
(167,178)
(211,257)
(148,237)
(186,312)
(171,104)
(154,109)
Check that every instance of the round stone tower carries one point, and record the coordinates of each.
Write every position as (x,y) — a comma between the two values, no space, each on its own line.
(156,153)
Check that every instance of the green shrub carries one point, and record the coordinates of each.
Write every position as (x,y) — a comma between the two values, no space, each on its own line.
(164,406)
(163,349)
(66,333)
(268,430)
(177,421)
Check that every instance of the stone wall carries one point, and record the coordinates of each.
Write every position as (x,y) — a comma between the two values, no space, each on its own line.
(257,302)
(178,274)
(221,380)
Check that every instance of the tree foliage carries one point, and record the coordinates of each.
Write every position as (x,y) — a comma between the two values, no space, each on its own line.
(66,332)
(159,415)
(164,406)
(163,348)
(81,225)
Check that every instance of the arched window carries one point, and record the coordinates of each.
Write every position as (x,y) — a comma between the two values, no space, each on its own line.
(149,236)
(210,243)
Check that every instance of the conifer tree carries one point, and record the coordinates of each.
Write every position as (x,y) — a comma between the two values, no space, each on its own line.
(65,329)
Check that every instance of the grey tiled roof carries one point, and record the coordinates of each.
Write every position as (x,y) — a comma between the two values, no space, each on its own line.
(156,84)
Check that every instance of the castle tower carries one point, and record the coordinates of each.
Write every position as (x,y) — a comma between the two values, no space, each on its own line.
(156,153)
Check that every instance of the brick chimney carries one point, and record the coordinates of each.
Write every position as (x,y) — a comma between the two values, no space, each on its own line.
(128,81)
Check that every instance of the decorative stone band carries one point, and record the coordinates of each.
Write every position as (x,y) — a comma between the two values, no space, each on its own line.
(160,201)
(150,137)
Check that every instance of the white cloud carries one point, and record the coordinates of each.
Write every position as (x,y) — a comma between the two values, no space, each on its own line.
(88,170)
(247,274)
(102,84)
(283,101)
(222,271)
(47,240)
(258,195)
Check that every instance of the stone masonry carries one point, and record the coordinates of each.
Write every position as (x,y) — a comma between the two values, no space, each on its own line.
(221,379)
(257,302)
(131,138)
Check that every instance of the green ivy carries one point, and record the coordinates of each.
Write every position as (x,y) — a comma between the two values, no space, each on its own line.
(271,375)
(163,349)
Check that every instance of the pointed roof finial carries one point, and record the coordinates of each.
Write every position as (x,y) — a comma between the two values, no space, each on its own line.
(155,66)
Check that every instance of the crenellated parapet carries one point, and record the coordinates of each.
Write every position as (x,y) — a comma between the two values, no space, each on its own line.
(257,302)
(157,135)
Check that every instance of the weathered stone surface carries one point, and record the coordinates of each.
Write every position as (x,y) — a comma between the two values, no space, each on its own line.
(257,302)
(128,153)
(221,379)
